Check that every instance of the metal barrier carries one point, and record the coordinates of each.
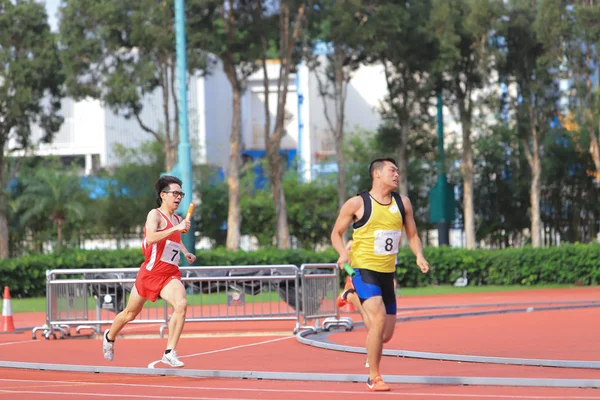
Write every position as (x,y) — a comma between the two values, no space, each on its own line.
(214,293)
(319,291)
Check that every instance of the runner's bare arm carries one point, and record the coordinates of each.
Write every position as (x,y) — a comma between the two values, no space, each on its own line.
(152,224)
(345,217)
(189,256)
(413,236)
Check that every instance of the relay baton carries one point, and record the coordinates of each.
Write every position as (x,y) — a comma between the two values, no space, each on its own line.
(188,217)
(349,269)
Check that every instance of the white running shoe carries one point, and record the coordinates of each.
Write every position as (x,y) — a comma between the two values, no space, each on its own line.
(367,364)
(172,360)
(108,348)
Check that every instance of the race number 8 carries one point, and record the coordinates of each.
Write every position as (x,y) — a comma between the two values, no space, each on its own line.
(386,242)
(389,244)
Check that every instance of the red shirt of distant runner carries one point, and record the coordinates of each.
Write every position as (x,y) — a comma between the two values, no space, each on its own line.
(161,262)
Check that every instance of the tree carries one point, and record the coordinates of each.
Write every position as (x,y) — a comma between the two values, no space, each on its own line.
(465,29)
(128,194)
(212,215)
(291,16)
(503,183)
(340,27)
(530,34)
(236,41)
(581,41)
(312,207)
(30,87)
(570,199)
(363,147)
(55,195)
(406,47)
(123,51)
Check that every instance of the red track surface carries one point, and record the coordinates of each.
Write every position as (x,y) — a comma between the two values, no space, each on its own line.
(569,334)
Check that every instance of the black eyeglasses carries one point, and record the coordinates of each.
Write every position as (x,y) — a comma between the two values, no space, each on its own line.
(175,193)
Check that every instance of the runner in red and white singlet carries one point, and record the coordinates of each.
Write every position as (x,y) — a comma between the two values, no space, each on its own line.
(161,261)
(159,273)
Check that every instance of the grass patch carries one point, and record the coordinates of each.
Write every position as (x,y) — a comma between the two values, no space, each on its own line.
(38,304)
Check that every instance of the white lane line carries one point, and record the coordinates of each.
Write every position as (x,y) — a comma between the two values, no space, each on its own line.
(19,342)
(309,391)
(152,364)
(120,395)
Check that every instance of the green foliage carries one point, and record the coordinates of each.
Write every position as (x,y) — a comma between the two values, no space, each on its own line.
(52,199)
(405,43)
(26,276)
(30,89)
(364,147)
(502,177)
(312,210)
(258,217)
(31,77)
(129,189)
(571,199)
(210,216)
(51,206)
(569,264)
(311,207)
(123,52)
(120,50)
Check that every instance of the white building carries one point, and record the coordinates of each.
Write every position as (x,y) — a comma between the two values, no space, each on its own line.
(90,131)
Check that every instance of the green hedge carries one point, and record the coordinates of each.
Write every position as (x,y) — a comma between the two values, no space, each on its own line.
(567,264)
(26,276)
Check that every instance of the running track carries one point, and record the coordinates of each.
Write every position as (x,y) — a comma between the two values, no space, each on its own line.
(570,334)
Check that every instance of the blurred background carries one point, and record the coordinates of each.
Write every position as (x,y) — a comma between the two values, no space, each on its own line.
(491,108)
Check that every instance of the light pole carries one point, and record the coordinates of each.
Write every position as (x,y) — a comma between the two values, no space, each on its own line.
(441,198)
(183,167)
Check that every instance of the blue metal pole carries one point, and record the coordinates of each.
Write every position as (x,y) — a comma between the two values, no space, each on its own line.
(184,167)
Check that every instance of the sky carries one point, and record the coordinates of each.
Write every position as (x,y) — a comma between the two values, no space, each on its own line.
(52,10)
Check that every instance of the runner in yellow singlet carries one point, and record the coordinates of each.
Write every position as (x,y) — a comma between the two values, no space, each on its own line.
(379,216)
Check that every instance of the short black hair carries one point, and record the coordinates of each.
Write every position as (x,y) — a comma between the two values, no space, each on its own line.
(162,183)
(377,164)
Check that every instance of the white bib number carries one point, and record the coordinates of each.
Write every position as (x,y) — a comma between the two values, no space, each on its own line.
(386,242)
(171,252)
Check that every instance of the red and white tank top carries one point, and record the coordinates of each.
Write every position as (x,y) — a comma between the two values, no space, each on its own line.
(162,258)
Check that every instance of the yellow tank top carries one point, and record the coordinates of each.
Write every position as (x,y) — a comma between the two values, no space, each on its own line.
(375,244)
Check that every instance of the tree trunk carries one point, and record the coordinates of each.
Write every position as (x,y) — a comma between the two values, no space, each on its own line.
(340,102)
(233,180)
(594,145)
(341,164)
(59,233)
(170,147)
(535,163)
(402,162)
(170,155)
(287,43)
(4,253)
(468,178)
(534,196)
(235,140)
(595,150)
(282,232)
